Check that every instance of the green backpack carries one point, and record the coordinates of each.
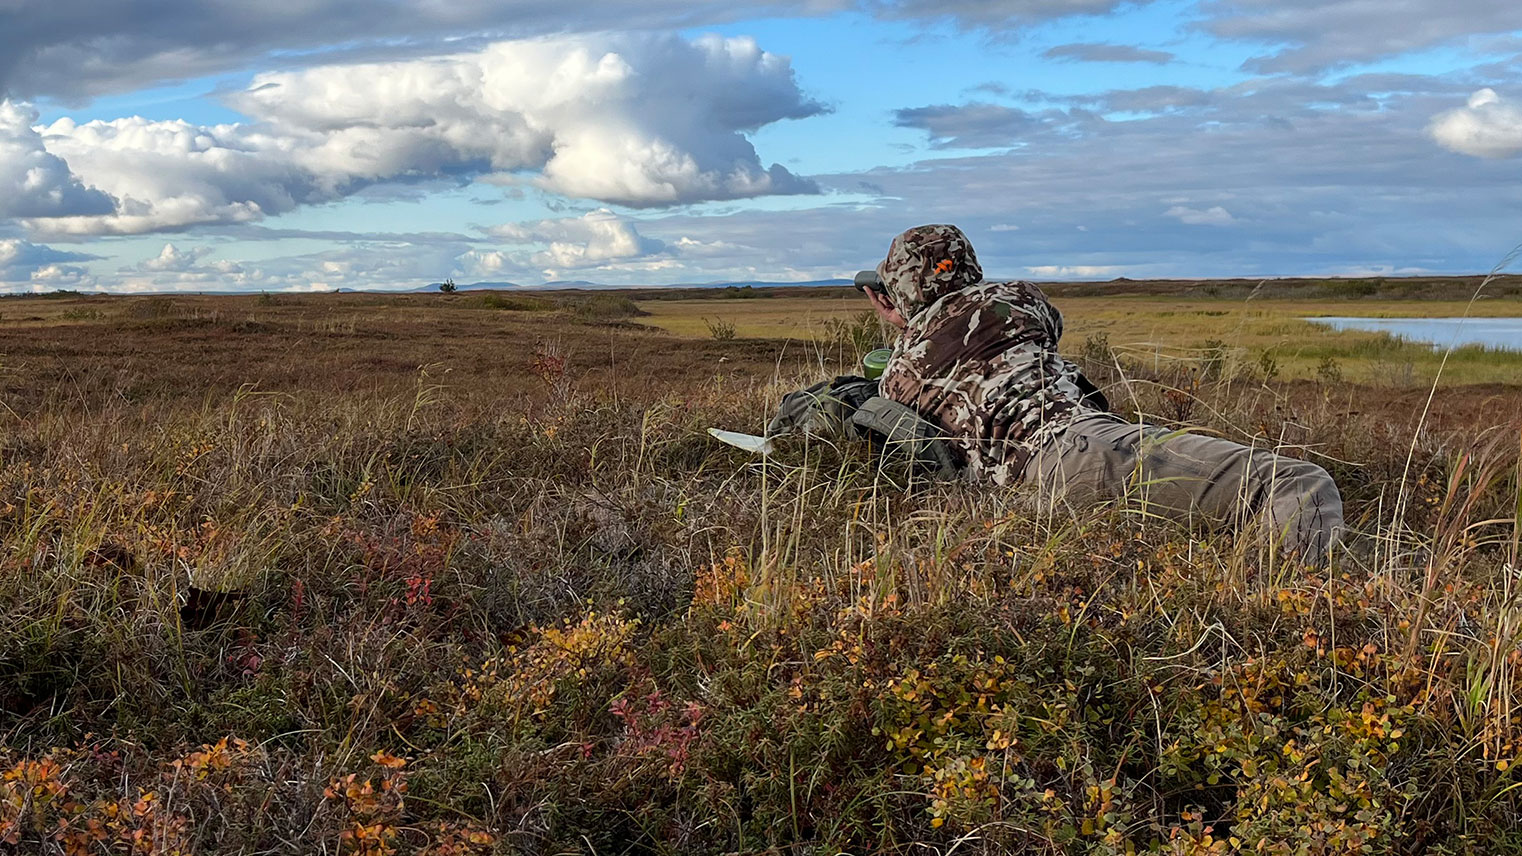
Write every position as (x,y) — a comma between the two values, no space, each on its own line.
(849,407)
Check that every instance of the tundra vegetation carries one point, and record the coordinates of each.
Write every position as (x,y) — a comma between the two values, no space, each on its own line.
(462,574)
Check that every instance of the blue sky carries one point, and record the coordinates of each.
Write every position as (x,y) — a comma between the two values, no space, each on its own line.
(314,145)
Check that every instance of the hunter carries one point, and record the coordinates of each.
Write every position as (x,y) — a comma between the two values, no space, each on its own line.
(979,360)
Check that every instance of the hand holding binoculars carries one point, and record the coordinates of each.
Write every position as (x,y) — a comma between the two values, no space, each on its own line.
(869,280)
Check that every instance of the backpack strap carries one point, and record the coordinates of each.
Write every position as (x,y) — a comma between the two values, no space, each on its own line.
(823,409)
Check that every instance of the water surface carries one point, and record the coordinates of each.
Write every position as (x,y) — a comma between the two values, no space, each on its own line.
(1440,332)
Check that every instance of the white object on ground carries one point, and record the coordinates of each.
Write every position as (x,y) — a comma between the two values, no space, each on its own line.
(749,442)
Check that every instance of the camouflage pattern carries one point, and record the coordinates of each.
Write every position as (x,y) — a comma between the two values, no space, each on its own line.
(824,409)
(977,358)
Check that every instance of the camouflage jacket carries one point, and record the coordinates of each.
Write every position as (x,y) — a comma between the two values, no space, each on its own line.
(978,358)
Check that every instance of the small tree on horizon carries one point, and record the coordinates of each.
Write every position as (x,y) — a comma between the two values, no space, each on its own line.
(448,286)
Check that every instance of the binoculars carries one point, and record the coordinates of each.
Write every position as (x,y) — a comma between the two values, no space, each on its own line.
(869,280)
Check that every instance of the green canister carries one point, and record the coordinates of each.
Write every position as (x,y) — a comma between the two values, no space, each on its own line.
(875,361)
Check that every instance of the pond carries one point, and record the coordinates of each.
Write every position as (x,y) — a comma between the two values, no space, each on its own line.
(1441,332)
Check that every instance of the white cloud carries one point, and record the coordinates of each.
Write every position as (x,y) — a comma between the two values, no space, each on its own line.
(173,260)
(1212,216)
(575,242)
(1487,126)
(634,120)
(49,277)
(1004,227)
(169,175)
(486,262)
(34,182)
(688,246)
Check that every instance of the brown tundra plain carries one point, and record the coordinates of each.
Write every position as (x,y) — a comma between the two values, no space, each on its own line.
(464,574)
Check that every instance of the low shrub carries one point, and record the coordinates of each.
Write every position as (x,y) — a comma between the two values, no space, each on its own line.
(516,302)
(720,329)
(604,308)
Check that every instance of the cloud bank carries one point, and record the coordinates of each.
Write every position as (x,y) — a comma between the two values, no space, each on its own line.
(75,49)
(641,121)
(33,266)
(80,48)
(1312,35)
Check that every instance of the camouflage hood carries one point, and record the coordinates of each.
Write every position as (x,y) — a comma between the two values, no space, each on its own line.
(925,264)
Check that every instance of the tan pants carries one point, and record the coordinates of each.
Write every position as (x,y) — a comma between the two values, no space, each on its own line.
(1292,503)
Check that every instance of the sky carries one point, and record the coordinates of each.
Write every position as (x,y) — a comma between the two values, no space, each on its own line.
(309,145)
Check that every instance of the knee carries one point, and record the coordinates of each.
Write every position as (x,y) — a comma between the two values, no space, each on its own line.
(1307,508)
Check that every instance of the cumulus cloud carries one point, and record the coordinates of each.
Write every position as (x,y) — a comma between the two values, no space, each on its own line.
(633,120)
(176,269)
(53,277)
(1100,52)
(174,260)
(33,181)
(1212,216)
(167,175)
(1488,126)
(487,263)
(593,239)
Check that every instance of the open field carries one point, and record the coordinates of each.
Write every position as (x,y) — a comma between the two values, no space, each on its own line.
(460,574)
(1235,332)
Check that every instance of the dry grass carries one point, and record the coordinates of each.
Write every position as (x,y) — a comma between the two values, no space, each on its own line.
(457,579)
